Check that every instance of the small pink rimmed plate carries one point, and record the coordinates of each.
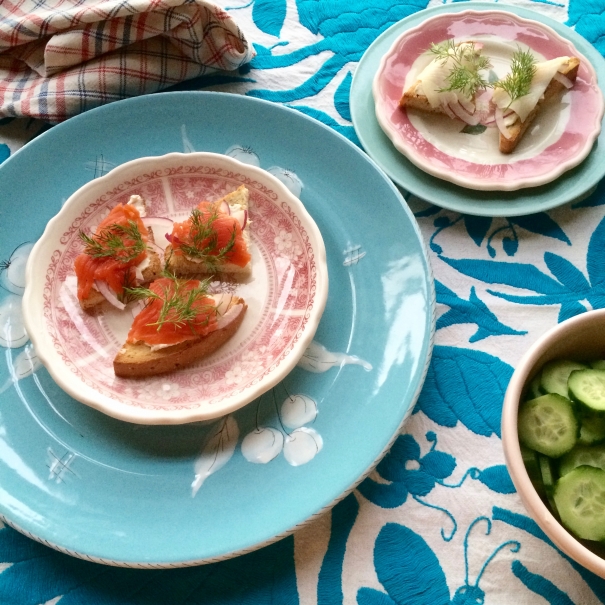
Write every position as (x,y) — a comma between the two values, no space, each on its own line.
(559,138)
(286,293)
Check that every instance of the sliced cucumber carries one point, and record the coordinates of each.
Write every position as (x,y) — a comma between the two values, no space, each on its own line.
(588,387)
(582,455)
(548,424)
(592,429)
(530,460)
(580,500)
(548,473)
(555,375)
(535,386)
(598,364)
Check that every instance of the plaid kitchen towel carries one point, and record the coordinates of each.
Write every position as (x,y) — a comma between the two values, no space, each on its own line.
(61,57)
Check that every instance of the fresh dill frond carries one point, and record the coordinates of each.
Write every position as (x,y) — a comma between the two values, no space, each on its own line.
(465,74)
(179,307)
(204,239)
(122,243)
(128,285)
(517,83)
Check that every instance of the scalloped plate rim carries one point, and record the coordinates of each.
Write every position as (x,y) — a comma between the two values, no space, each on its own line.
(460,179)
(128,413)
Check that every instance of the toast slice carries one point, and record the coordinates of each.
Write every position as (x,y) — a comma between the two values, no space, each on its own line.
(184,266)
(430,92)
(552,92)
(151,268)
(140,360)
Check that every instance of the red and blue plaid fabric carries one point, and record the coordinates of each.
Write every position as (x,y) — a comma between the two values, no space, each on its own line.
(61,57)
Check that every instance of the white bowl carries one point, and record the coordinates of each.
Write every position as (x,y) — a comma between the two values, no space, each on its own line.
(581,337)
(286,294)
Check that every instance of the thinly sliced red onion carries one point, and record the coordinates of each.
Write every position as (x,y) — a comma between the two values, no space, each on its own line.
(499,115)
(446,109)
(468,106)
(157,249)
(160,225)
(229,316)
(222,302)
(224,208)
(559,77)
(461,113)
(242,218)
(108,294)
(173,239)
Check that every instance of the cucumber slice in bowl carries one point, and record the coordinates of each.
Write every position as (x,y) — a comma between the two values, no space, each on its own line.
(588,387)
(592,429)
(580,499)
(548,424)
(582,455)
(556,373)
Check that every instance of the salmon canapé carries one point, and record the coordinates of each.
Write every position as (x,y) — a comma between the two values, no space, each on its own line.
(175,311)
(211,235)
(113,252)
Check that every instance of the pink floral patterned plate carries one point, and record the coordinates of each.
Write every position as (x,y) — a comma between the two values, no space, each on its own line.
(286,293)
(560,137)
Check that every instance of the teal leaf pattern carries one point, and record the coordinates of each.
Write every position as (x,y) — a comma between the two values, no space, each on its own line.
(540,585)
(400,558)
(497,479)
(465,386)
(472,311)
(329,585)
(269,15)
(253,579)
(587,17)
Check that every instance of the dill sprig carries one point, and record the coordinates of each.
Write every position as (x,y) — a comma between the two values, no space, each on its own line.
(204,239)
(465,74)
(517,83)
(119,242)
(179,307)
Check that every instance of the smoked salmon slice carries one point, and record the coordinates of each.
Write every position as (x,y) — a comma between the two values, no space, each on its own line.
(210,232)
(175,311)
(107,259)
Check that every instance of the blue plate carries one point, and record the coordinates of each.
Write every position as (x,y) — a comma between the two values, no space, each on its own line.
(143,496)
(573,185)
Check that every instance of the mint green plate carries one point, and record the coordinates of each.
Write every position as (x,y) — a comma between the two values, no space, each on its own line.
(572,186)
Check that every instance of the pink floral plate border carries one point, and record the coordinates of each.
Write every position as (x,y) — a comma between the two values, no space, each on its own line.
(469,167)
(286,293)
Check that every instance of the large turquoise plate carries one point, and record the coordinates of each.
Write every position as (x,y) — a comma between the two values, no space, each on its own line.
(573,185)
(144,496)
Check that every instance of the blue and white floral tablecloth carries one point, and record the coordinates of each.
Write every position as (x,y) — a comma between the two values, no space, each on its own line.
(439,520)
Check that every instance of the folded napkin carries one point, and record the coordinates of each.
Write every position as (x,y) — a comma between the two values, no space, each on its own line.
(61,57)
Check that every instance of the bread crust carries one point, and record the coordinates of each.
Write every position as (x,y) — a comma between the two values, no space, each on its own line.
(180,265)
(553,90)
(412,99)
(137,360)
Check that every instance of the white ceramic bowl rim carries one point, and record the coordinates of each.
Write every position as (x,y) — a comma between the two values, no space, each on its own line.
(512,452)
(34,293)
